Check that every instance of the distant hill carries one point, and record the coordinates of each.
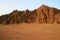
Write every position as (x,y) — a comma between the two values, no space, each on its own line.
(43,14)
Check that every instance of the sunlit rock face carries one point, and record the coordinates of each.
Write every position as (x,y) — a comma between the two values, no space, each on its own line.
(43,14)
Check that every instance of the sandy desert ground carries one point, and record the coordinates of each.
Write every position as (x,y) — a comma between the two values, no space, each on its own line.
(30,32)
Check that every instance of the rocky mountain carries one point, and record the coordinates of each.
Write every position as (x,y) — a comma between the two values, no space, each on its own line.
(43,15)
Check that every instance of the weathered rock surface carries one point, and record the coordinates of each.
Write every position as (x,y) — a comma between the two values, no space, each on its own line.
(43,14)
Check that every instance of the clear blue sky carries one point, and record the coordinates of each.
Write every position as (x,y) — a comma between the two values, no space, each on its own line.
(7,6)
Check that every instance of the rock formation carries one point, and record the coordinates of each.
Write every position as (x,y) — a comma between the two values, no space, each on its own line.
(43,14)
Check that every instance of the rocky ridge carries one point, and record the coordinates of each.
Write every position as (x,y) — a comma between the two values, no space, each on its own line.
(42,15)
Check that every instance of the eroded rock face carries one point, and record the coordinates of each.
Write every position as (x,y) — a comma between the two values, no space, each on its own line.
(43,14)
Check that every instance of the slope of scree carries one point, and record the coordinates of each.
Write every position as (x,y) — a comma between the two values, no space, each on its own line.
(43,14)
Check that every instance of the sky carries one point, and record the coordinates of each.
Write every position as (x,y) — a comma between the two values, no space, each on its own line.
(7,6)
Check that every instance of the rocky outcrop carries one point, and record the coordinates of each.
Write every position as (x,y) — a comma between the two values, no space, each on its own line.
(43,14)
